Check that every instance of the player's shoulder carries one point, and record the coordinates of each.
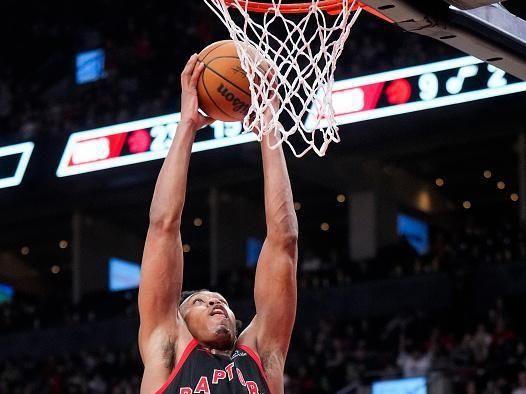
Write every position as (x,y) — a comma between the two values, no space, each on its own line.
(166,343)
(270,362)
(270,357)
(158,356)
(162,353)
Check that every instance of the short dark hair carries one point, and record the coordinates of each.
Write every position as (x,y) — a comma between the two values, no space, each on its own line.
(188,293)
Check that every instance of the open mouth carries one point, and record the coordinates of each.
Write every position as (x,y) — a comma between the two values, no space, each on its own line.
(218,312)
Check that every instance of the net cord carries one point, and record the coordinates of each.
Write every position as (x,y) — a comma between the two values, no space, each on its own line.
(278,84)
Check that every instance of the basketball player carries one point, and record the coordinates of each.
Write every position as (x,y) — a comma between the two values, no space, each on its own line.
(190,345)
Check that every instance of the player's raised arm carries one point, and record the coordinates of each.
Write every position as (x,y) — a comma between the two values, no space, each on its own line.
(162,265)
(275,285)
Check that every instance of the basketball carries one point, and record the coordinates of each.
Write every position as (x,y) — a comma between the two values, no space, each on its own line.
(223,88)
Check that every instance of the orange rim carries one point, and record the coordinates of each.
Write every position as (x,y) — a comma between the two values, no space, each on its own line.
(330,6)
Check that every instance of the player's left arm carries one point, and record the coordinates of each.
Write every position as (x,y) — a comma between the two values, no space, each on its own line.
(275,291)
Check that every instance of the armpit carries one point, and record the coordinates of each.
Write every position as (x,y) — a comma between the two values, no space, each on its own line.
(271,362)
(169,354)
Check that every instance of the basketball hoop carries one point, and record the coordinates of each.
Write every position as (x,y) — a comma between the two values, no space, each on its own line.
(330,6)
(289,52)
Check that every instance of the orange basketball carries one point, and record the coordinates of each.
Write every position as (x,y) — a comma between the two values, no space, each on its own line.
(223,88)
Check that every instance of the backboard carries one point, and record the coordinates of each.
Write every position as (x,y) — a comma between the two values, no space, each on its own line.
(485,29)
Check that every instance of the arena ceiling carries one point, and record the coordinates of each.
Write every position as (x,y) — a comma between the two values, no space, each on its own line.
(456,143)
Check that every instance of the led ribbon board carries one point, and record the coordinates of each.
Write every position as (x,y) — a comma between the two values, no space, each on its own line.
(13,163)
(417,88)
(139,141)
(357,99)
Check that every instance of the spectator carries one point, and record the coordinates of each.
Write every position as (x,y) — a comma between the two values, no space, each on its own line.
(413,360)
(480,344)
(521,379)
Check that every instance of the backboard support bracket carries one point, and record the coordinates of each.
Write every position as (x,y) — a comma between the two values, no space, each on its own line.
(471,4)
(490,32)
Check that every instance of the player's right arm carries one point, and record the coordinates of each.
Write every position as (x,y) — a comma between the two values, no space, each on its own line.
(162,264)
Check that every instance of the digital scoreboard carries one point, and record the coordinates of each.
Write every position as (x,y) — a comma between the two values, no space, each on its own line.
(139,141)
(358,99)
(417,88)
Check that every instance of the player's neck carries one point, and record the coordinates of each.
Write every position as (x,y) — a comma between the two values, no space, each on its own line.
(227,353)
(221,352)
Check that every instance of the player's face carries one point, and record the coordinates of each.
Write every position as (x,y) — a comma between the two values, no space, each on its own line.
(210,320)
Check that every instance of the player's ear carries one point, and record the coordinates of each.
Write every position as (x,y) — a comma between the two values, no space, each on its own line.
(239,326)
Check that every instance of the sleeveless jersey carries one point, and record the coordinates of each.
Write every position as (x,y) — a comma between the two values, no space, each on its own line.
(200,371)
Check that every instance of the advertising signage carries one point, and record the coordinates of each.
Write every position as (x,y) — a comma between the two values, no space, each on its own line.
(418,88)
(13,163)
(357,99)
(416,385)
(139,141)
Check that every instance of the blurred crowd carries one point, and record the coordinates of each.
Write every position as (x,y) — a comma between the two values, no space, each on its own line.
(25,312)
(145,50)
(96,372)
(470,353)
(457,253)
(472,350)
(479,354)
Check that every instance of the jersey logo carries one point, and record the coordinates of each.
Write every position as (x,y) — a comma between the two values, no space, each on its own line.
(238,353)
(203,386)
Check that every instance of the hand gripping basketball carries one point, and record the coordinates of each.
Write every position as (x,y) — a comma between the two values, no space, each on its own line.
(189,101)
(223,88)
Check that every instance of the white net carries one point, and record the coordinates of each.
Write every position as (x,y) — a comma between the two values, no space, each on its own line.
(290,61)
